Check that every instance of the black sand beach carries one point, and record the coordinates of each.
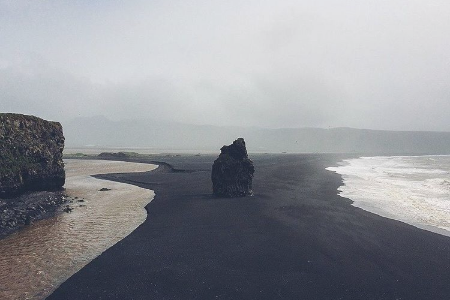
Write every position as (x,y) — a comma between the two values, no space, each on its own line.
(295,239)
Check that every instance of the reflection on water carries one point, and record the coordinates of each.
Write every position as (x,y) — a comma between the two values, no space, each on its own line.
(37,259)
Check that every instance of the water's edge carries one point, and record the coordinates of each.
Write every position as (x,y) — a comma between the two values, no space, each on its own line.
(411,189)
(38,258)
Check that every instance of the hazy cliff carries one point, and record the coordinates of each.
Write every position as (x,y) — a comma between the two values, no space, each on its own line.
(101,132)
(31,154)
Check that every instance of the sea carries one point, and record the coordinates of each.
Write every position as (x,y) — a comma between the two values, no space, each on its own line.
(411,189)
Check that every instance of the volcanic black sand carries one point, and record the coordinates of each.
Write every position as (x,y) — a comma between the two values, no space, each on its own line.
(295,239)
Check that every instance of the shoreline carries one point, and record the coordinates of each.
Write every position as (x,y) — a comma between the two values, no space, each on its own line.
(101,213)
(382,190)
(21,211)
(296,238)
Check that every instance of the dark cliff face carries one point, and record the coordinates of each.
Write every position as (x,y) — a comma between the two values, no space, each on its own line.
(30,154)
(232,171)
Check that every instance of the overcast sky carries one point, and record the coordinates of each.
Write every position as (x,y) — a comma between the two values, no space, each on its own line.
(381,64)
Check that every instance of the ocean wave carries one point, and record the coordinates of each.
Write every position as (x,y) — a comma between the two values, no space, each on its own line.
(412,189)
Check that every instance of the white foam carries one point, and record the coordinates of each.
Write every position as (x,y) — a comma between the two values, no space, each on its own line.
(412,189)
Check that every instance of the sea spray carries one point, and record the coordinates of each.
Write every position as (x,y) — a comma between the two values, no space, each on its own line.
(412,189)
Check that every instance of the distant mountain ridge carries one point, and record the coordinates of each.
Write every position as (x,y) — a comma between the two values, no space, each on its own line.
(102,132)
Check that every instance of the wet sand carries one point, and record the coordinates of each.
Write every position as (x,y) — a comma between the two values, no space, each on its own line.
(36,259)
(295,239)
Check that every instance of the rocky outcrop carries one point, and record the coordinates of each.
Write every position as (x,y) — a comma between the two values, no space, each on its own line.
(232,171)
(113,155)
(29,207)
(30,154)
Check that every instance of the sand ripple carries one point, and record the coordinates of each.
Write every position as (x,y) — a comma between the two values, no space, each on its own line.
(37,259)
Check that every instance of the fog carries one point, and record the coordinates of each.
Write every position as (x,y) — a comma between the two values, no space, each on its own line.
(271,64)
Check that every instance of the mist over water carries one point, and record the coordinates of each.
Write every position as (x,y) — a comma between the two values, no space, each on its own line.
(412,189)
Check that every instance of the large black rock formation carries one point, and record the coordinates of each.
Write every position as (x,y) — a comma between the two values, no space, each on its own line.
(30,154)
(232,171)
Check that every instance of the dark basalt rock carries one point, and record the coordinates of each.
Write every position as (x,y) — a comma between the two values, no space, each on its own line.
(30,154)
(27,208)
(112,155)
(232,171)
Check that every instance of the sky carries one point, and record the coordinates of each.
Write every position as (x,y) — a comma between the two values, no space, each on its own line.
(381,64)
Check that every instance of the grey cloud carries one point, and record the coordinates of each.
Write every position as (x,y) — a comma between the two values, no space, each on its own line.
(366,64)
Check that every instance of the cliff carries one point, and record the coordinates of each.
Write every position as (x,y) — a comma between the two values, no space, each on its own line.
(30,154)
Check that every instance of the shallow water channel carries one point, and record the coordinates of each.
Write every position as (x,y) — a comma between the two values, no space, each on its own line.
(37,259)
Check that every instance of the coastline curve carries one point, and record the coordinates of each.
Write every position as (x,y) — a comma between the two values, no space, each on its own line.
(38,258)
